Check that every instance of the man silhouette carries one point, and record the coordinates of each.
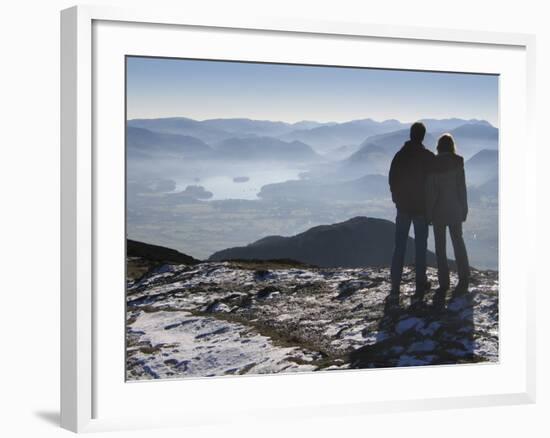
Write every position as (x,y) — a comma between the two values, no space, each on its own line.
(408,173)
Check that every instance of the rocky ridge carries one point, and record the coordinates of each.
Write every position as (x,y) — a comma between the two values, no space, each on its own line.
(229,318)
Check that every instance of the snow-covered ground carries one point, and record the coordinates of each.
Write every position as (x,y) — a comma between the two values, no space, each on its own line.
(225,318)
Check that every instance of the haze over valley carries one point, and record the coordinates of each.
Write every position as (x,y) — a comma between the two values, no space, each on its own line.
(203,186)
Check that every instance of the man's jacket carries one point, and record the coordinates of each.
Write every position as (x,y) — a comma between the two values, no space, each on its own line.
(408,172)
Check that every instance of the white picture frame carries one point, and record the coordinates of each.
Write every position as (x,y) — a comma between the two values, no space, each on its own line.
(84,392)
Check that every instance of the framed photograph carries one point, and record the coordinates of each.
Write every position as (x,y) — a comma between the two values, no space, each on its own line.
(265,208)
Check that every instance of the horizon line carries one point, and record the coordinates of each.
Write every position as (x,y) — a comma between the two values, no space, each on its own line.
(311,120)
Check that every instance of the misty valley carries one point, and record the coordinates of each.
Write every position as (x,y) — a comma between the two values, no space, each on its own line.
(202,187)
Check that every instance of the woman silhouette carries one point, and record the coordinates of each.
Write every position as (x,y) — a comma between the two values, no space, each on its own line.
(447,206)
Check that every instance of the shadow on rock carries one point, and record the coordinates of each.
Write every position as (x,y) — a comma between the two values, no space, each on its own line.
(437,333)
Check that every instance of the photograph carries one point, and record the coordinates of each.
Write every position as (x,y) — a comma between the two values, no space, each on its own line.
(286,218)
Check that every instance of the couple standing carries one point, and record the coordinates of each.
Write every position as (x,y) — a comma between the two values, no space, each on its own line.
(429,189)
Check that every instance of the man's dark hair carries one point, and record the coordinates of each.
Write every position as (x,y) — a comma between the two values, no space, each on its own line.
(418,131)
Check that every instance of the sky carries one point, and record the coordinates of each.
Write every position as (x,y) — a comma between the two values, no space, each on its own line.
(201,89)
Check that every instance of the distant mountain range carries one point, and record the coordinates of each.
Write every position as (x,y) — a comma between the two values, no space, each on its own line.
(196,138)
(482,176)
(391,142)
(357,242)
(259,127)
(265,148)
(341,152)
(376,152)
(215,130)
(478,130)
(482,167)
(143,143)
(468,137)
(370,159)
(474,137)
(181,126)
(329,136)
(446,125)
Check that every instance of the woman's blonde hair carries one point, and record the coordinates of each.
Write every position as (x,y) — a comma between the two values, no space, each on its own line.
(446,143)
